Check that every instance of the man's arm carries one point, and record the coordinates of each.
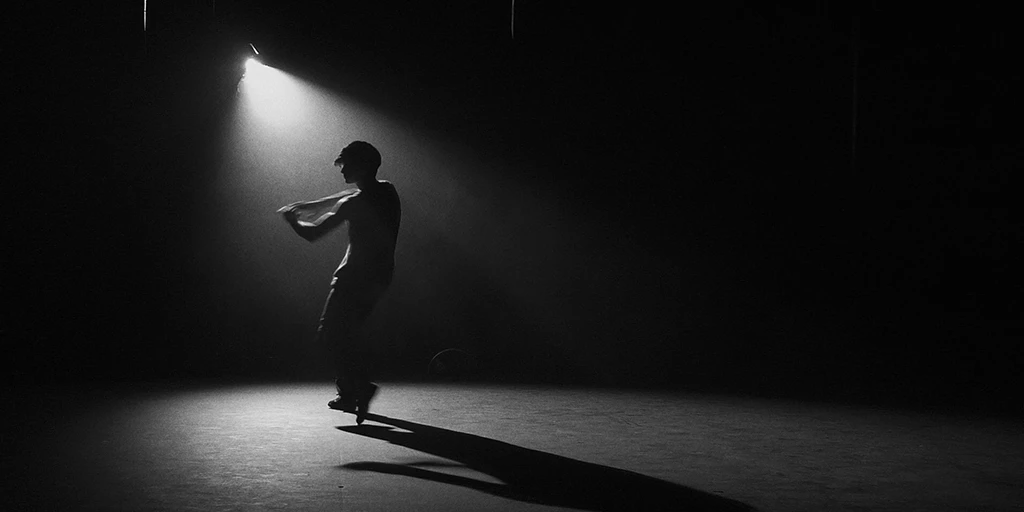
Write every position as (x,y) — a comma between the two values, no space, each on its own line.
(311,231)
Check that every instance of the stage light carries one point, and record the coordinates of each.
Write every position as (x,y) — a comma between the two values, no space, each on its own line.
(252,65)
(272,94)
(253,60)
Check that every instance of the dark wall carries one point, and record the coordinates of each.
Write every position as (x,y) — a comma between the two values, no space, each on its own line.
(700,165)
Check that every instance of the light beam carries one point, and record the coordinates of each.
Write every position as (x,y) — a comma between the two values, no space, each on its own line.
(272,95)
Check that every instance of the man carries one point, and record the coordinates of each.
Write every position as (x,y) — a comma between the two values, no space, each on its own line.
(373,212)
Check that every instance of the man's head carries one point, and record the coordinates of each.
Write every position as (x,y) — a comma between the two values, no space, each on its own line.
(359,161)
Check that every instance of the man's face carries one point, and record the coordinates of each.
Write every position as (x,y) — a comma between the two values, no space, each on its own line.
(351,172)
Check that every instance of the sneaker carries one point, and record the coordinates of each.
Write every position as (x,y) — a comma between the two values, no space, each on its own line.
(343,403)
(363,402)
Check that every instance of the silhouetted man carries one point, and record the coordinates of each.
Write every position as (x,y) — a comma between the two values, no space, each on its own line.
(373,213)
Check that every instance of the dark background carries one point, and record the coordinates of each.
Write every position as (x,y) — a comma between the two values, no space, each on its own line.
(694,214)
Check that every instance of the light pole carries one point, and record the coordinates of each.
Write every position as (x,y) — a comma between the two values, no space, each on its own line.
(855,36)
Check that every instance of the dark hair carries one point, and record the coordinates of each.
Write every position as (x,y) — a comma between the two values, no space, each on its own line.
(362,154)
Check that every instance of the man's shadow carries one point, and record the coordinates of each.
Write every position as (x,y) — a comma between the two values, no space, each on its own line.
(530,475)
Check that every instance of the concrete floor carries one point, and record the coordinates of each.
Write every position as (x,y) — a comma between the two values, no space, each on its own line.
(473,447)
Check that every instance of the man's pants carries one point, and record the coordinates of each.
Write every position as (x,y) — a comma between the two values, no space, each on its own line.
(346,311)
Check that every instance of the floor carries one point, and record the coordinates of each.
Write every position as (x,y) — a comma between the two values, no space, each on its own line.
(506,448)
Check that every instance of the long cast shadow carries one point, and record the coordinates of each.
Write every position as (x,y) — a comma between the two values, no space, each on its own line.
(530,475)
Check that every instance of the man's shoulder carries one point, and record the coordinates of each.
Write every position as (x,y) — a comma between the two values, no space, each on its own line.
(388,188)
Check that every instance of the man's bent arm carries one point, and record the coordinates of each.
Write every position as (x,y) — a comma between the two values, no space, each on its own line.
(313,232)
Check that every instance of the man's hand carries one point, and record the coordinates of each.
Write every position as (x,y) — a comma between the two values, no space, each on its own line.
(290,215)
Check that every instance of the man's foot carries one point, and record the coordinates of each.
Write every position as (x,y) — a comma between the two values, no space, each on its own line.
(363,402)
(343,403)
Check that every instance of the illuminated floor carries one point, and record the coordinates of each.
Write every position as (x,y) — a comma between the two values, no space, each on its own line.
(473,448)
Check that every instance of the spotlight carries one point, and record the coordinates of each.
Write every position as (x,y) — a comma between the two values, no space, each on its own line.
(271,94)
(252,64)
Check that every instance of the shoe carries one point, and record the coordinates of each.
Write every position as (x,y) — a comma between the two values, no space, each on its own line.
(363,402)
(343,403)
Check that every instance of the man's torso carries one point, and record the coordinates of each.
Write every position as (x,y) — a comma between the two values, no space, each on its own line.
(374,216)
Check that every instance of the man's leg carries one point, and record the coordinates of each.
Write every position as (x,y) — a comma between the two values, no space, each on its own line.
(354,376)
(350,369)
(340,327)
